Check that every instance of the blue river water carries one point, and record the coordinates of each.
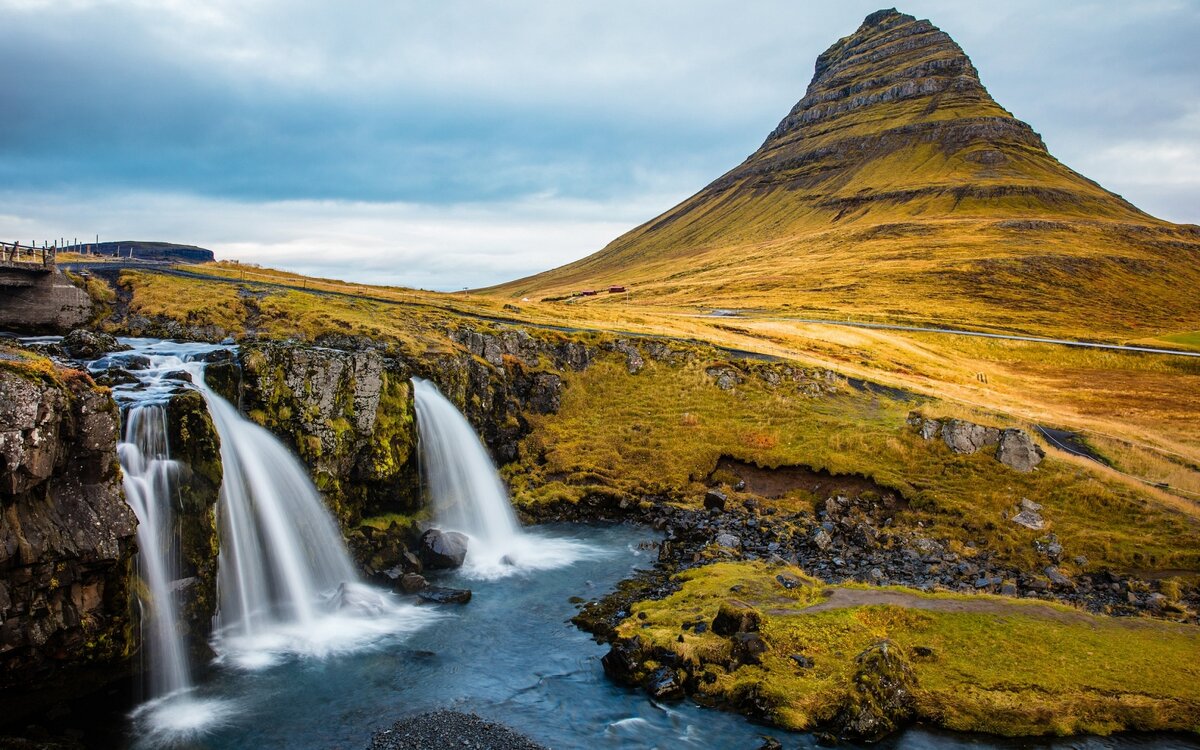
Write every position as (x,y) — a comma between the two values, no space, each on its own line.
(512,655)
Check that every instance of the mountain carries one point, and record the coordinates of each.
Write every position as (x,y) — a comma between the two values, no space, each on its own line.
(141,250)
(897,188)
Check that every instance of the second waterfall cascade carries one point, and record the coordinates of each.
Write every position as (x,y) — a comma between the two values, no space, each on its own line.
(468,496)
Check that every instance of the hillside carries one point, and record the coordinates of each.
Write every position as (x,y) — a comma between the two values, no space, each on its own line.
(142,250)
(897,188)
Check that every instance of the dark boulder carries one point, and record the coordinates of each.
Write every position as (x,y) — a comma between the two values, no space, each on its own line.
(714,500)
(623,660)
(411,583)
(443,550)
(734,616)
(84,344)
(182,376)
(443,595)
(663,685)
(748,648)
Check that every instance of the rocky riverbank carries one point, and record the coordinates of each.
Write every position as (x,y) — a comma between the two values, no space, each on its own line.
(450,729)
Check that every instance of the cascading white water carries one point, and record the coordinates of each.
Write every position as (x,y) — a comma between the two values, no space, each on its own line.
(468,495)
(150,488)
(286,583)
(280,549)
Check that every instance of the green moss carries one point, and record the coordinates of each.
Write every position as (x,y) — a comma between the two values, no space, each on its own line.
(1006,667)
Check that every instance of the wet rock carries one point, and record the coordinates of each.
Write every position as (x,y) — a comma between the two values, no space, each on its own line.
(443,549)
(623,659)
(770,743)
(663,684)
(881,699)
(967,437)
(715,500)
(1018,451)
(85,345)
(182,376)
(734,616)
(411,583)
(66,532)
(443,595)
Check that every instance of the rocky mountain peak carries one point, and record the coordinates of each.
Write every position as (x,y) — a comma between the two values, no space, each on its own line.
(892,57)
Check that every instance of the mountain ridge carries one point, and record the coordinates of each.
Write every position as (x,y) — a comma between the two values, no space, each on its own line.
(899,162)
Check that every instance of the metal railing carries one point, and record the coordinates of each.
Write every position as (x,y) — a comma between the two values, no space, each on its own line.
(14,253)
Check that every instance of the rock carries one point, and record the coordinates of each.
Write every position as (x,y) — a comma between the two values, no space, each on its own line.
(87,345)
(182,376)
(450,729)
(545,393)
(802,661)
(734,616)
(443,595)
(623,659)
(1028,516)
(930,429)
(1049,546)
(729,541)
(823,540)
(1018,451)
(443,550)
(663,685)
(770,743)
(714,500)
(66,532)
(1057,579)
(411,583)
(725,377)
(881,699)
(967,437)
(748,648)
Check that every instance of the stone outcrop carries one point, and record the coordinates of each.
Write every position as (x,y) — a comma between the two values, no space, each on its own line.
(347,414)
(1017,450)
(66,533)
(196,446)
(881,699)
(1014,447)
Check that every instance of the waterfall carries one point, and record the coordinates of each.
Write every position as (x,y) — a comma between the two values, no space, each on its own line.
(468,496)
(150,488)
(280,549)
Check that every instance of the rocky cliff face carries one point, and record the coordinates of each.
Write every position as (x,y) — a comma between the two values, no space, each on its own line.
(196,446)
(347,414)
(66,533)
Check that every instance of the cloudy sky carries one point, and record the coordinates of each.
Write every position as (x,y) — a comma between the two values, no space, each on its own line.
(452,144)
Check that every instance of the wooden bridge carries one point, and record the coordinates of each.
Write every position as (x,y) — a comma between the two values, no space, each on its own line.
(22,265)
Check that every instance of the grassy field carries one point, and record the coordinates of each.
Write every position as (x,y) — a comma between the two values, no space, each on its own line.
(662,431)
(980,663)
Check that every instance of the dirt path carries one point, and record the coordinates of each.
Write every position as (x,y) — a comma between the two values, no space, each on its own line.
(844,598)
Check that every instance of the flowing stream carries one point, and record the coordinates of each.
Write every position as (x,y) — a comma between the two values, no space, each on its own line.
(309,657)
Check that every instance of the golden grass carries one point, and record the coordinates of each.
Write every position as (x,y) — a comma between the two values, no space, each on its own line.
(661,432)
(1002,666)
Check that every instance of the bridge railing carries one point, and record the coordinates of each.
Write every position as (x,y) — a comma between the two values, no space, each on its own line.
(17,254)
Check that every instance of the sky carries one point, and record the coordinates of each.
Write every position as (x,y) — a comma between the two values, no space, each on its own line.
(458,144)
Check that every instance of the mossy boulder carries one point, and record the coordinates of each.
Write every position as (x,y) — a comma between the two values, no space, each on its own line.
(734,616)
(881,696)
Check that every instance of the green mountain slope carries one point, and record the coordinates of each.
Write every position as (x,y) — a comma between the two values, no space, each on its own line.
(898,188)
